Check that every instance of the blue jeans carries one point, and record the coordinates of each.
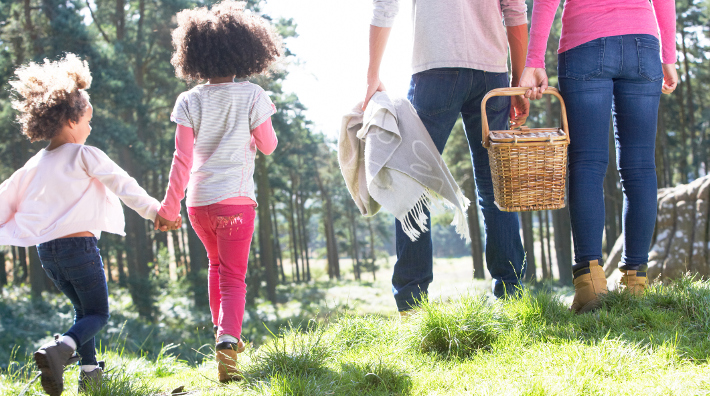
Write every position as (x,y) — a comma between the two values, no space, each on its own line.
(619,75)
(439,96)
(75,266)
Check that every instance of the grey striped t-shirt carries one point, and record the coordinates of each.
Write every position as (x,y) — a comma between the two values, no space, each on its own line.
(222,117)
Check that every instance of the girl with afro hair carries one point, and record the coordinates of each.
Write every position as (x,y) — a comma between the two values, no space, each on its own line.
(220,125)
(61,200)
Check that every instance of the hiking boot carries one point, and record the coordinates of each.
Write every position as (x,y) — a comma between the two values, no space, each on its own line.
(589,285)
(227,360)
(91,380)
(51,358)
(635,281)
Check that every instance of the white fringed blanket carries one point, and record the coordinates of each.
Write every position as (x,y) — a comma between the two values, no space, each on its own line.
(389,160)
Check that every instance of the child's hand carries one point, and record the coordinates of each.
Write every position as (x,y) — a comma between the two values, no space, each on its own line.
(164,224)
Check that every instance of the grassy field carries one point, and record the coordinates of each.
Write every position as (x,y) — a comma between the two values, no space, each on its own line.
(463,342)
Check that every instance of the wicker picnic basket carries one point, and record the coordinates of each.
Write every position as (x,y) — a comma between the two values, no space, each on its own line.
(528,165)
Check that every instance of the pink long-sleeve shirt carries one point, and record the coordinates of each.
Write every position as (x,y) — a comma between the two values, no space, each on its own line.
(263,136)
(585,20)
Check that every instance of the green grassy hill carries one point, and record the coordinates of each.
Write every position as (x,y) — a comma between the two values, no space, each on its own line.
(655,345)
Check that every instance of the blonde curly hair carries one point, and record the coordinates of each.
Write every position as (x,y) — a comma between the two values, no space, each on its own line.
(223,41)
(48,95)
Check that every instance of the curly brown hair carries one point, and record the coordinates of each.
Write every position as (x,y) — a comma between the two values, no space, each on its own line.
(50,94)
(223,41)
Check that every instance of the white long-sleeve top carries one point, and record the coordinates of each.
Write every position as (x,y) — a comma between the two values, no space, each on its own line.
(70,189)
(457,33)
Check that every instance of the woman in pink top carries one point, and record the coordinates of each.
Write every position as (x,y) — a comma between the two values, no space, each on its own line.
(610,62)
(220,126)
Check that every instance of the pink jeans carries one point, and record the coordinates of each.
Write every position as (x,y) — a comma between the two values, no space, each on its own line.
(226,232)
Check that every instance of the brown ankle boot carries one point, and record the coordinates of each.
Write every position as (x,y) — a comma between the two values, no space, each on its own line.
(227,360)
(589,285)
(635,280)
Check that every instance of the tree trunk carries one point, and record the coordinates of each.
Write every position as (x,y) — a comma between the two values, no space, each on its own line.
(331,244)
(543,255)
(37,275)
(107,264)
(277,243)
(179,260)
(266,235)
(139,283)
(474,229)
(122,278)
(683,163)
(3,269)
(549,248)
(695,144)
(185,247)
(294,241)
(120,19)
(373,256)
(354,248)
(526,221)
(22,255)
(198,268)
(303,235)
(563,244)
(661,148)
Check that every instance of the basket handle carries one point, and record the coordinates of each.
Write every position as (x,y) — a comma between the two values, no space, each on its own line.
(515,91)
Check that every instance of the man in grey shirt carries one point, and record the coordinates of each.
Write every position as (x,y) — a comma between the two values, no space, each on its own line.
(460,53)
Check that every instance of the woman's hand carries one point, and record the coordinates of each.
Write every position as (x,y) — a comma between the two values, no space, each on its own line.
(534,77)
(670,78)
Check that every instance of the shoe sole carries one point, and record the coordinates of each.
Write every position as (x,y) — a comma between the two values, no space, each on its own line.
(49,383)
(235,378)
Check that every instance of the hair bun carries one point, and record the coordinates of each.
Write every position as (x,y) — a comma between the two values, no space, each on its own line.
(49,94)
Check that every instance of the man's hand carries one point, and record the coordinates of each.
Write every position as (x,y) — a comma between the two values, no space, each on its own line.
(164,224)
(536,78)
(670,78)
(373,85)
(519,111)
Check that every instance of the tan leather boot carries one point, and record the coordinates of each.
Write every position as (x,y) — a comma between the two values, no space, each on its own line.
(589,285)
(635,281)
(227,361)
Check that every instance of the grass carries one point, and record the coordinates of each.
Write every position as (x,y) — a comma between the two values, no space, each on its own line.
(657,344)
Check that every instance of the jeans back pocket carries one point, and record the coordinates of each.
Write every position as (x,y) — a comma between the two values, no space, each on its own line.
(434,90)
(649,52)
(584,61)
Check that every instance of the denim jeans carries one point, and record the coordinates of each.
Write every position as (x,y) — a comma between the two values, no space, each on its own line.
(619,76)
(439,96)
(75,266)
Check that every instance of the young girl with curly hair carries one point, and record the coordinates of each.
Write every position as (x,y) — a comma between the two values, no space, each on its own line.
(61,200)
(220,124)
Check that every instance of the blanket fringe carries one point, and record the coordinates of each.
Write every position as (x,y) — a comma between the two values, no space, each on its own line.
(427,200)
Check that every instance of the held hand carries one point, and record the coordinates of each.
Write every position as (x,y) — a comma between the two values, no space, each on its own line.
(373,85)
(670,78)
(534,77)
(519,111)
(163,224)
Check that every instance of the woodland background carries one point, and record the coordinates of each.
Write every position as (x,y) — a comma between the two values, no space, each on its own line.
(305,213)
